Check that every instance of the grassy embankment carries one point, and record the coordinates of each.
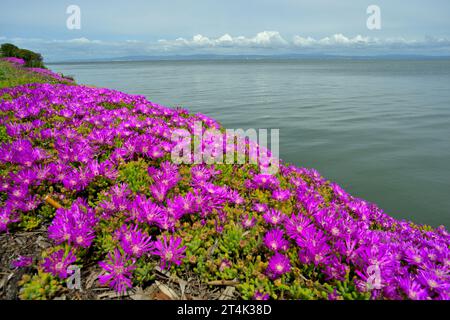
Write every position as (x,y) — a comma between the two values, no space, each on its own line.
(11,76)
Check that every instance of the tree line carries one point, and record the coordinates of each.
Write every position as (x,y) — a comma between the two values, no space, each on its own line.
(32,59)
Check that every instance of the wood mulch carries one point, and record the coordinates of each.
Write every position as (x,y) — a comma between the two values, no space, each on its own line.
(165,286)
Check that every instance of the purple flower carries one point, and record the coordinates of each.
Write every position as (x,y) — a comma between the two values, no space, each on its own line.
(181,205)
(133,241)
(120,190)
(261,296)
(58,262)
(313,247)
(169,251)
(224,264)
(165,179)
(274,240)
(4,185)
(13,60)
(167,222)
(431,281)
(278,265)
(76,180)
(339,192)
(260,207)
(274,217)
(74,225)
(412,289)
(281,195)
(6,218)
(159,191)
(335,269)
(18,192)
(413,256)
(200,173)
(117,272)
(49,73)
(146,211)
(248,221)
(117,203)
(333,295)
(265,181)
(235,197)
(25,177)
(22,262)
(310,202)
(296,224)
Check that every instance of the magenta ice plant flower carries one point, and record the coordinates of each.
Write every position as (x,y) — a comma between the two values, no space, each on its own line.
(117,272)
(169,250)
(22,262)
(14,60)
(274,240)
(7,216)
(281,195)
(260,207)
(412,288)
(134,241)
(274,217)
(224,264)
(265,181)
(58,263)
(296,224)
(75,225)
(248,221)
(146,211)
(278,265)
(261,296)
(200,173)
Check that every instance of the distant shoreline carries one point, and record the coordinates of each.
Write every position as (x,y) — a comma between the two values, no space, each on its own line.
(250,58)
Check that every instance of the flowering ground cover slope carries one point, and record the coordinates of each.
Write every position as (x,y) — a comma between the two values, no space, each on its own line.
(13,73)
(89,170)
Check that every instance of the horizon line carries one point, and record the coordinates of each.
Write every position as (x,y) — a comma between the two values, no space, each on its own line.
(206,57)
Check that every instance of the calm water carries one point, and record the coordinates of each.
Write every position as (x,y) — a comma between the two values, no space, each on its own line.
(381,129)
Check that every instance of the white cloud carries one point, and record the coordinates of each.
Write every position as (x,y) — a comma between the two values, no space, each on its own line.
(268,38)
(300,41)
(265,39)
(225,39)
(273,40)
(265,42)
(83,40)
(335,40)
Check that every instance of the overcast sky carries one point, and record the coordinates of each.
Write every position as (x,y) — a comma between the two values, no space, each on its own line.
(163,27)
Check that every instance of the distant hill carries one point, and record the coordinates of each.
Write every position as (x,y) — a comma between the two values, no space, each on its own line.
(249,57)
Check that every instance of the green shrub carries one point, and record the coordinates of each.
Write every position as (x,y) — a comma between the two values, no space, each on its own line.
(42,286)
(32,59)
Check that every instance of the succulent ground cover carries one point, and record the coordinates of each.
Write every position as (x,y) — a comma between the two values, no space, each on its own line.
(87,174)
(14,73)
